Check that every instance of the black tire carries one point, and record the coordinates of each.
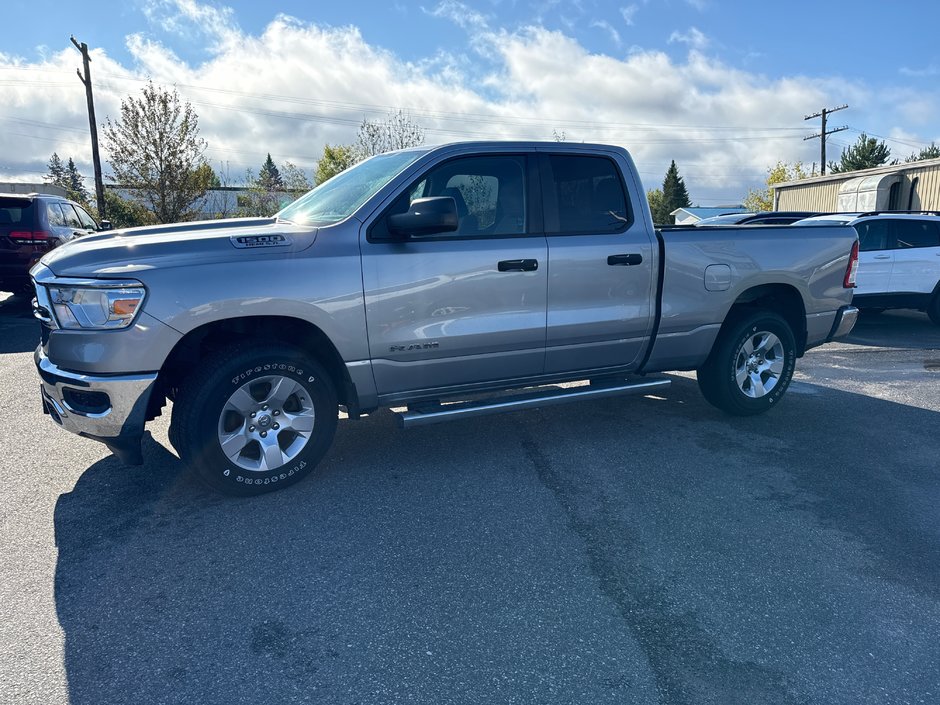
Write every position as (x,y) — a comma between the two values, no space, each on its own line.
(933,309)
(719,377)
(204,411)
(872,311)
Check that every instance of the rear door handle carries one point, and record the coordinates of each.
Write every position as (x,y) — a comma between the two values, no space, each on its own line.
(518,265)
(882,257)
(625,260)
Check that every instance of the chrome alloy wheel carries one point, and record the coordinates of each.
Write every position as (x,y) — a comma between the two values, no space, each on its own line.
(266,423)
(759,364)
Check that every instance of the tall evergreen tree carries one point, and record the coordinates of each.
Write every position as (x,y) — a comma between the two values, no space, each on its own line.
(76,184)
(269,177)
(931,152)
(675,194)
(56,173)
(866,153)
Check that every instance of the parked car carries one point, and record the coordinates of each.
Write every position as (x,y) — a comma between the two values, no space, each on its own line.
(762,218)
(434,278)
(898,261)
(30,226)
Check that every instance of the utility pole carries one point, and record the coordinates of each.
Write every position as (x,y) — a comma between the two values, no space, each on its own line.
(92,124)
(822,133)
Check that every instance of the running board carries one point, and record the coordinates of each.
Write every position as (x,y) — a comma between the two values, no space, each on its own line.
(426,414)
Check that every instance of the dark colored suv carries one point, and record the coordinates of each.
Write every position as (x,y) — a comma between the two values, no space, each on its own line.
(31,225)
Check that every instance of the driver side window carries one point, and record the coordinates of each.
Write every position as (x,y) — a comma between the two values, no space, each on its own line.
(489,192)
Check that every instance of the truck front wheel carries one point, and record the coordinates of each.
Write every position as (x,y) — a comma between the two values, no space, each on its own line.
(751,365)
(255,418)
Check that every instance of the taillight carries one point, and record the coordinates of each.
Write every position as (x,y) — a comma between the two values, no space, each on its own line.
(28,237)
(852,269)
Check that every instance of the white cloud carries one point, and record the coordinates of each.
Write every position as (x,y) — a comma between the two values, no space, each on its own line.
(924,72)
(298,85)
(693,37)
(460,14)
(629,13)
(700,5)
(609,29)
(191,19)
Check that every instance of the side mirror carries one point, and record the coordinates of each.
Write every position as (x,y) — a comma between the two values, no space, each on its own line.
(105,225)
(425,217)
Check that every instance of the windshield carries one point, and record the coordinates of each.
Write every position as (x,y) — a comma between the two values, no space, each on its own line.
(336,199)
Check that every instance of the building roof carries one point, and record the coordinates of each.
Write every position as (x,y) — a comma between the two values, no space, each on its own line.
(843,175)
(708,212)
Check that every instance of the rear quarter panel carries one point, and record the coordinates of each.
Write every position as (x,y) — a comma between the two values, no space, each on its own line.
(811,260)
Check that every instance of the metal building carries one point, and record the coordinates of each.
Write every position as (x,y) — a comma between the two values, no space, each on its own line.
(909,186)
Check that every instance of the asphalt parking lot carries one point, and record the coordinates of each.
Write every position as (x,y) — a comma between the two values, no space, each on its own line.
(633,550)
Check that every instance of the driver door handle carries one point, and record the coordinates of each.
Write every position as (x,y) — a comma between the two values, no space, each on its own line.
(625,260)
(518,265)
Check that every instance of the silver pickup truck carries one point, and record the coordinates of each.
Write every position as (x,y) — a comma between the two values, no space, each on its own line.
(446,282)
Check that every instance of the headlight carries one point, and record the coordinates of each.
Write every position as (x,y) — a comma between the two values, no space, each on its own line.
(96,307)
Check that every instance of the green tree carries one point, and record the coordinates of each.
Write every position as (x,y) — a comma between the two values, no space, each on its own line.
(56,175)
(866,153)
(269,177)
(931,152)
(264,199)
(396,131)
(155,149)
(334,160)
(68,178)
(758,200)
(76,184)
(675,194)
(125,212)
(657,207)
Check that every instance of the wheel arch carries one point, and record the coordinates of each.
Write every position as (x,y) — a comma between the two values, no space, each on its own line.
(783,299)
(201,341)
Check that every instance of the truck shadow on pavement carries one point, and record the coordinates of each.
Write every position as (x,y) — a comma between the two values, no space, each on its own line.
(896,329)
(19,331)
(562,555)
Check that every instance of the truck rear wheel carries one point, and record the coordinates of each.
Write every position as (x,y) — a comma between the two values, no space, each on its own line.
(751,365)
(254,419)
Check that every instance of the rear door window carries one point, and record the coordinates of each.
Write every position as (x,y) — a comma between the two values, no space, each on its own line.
(915,233)
(584,195)
(872,235)
(54,213)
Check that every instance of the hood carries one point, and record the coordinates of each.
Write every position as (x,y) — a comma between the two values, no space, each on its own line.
(125,252)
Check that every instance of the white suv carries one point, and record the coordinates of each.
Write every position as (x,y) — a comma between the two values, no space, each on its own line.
(898,261)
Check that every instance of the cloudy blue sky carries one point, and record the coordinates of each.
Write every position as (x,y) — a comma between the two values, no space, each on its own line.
(721,87)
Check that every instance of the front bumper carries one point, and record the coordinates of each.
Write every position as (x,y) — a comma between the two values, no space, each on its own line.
(111,409)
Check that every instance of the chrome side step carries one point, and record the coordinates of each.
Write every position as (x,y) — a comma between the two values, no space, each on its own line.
(425,414)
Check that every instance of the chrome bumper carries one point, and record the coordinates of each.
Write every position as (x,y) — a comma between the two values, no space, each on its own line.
(110,409)
(844,323)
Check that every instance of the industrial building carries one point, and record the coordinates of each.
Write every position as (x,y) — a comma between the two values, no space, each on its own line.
(908,186)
